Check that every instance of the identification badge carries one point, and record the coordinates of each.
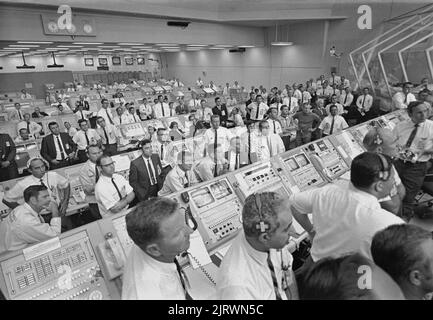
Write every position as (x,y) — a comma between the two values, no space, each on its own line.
(159,170)
(67,146)
(223,112)
(8,144)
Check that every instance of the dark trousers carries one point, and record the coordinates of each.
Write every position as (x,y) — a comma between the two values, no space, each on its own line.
(286,141)
(10,172)
(82,156)
(110,149)
(412,176)
(302,138)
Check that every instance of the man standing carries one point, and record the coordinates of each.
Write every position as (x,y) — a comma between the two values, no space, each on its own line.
(161,109)
(160,233)
(204,113)
(274,123)
(346,219)
(109,136)
(401,100)
(8,166)
(288,127)
(194,103)
(258,265)
(145,110)
(257,109)
(334,102)
(112,192)
(221,111)
(58,148)
(84,138)
(415,139)
(105,112)
(291,102)
(163,147)
(270,143)
(333,123)
(308,122)
(25,226)
(144,173)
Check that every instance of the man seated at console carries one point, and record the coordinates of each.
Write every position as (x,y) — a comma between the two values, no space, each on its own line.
(339,279)
(405,252)
(159,231)
(25,226)
(58,186)
(258,265)
(112,191)
(24,136)
(382,140)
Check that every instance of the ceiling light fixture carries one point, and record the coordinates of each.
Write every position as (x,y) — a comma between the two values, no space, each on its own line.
(279,43)
(64,46)
(35,42)
(130,44)
(24,46)
(24,66)
(55,65)
(88,43)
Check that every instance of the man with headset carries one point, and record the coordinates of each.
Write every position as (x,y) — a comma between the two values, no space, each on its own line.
(258,265)
(58,187)
(346,218)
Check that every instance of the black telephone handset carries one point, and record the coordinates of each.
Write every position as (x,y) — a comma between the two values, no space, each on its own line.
(185,197)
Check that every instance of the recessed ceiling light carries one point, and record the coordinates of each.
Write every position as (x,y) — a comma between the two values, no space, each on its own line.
(246,46)
(88,43)
(223,45)
(169,47)
(141,47)
(69,46)
(108,47)
(196,45)
(52,49)
(23,45)
(281,43)
(35,42)
(166,44)
(217,48)
(14,49)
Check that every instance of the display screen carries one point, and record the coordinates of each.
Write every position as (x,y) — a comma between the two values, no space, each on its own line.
(292,164)
(220,189)
(202,197)
(302,160)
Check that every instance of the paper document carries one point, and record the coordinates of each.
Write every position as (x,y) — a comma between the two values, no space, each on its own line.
(198,250)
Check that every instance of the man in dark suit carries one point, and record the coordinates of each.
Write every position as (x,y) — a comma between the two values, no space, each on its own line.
(221,110)
(8,166)
(58,148)
(144,173)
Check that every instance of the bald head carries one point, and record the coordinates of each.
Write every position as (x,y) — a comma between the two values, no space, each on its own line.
(381,140)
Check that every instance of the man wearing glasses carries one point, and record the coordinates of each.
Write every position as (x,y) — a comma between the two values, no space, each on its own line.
(112,191)
(258,265)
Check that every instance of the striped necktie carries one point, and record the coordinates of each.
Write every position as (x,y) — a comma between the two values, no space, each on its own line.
(274,277)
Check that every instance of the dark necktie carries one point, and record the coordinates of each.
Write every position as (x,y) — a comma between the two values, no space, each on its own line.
(42,183)
(182,279)
(257,113)
(62,151)
(274,278)
(151,175)
(120,119)
(28,127)
(237,161)
(108,115)
(363,101)
(249,148)
(345,99)
(96,173)
(412,136)
(117,189)
(275,129)
(215,146)
(162,108)
(302,98)
(82,115)
(290,102)
(405,98)
(186,185)
(87,138)
(106,136)
(332,126)
(19,113)
(162,152)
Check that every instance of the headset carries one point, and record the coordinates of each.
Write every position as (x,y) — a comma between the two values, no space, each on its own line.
(262,225)
(386,168)
(29,162)
(377,139)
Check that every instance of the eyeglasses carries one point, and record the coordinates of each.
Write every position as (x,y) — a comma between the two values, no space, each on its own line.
(108,164)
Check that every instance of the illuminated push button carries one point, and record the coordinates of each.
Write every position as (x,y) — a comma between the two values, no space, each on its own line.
(95,295)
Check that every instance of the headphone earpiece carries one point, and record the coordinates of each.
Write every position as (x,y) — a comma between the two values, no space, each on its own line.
(29,162)
(262,226)
(377,139)
(384,173)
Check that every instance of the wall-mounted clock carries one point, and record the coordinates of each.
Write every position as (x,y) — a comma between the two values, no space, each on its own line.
(87,28)
(52,26)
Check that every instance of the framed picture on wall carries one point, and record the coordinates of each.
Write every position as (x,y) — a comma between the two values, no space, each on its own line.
(88,62)
(115,61)
(140,60)
(129,61)
(103,61)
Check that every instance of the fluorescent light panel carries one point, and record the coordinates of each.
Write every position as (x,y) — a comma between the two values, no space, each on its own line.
(69,46)
(24,45)
(35,42)
(281,43)
(88,43)
(130,44)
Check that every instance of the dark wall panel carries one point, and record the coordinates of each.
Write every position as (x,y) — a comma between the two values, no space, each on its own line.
(10,82)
